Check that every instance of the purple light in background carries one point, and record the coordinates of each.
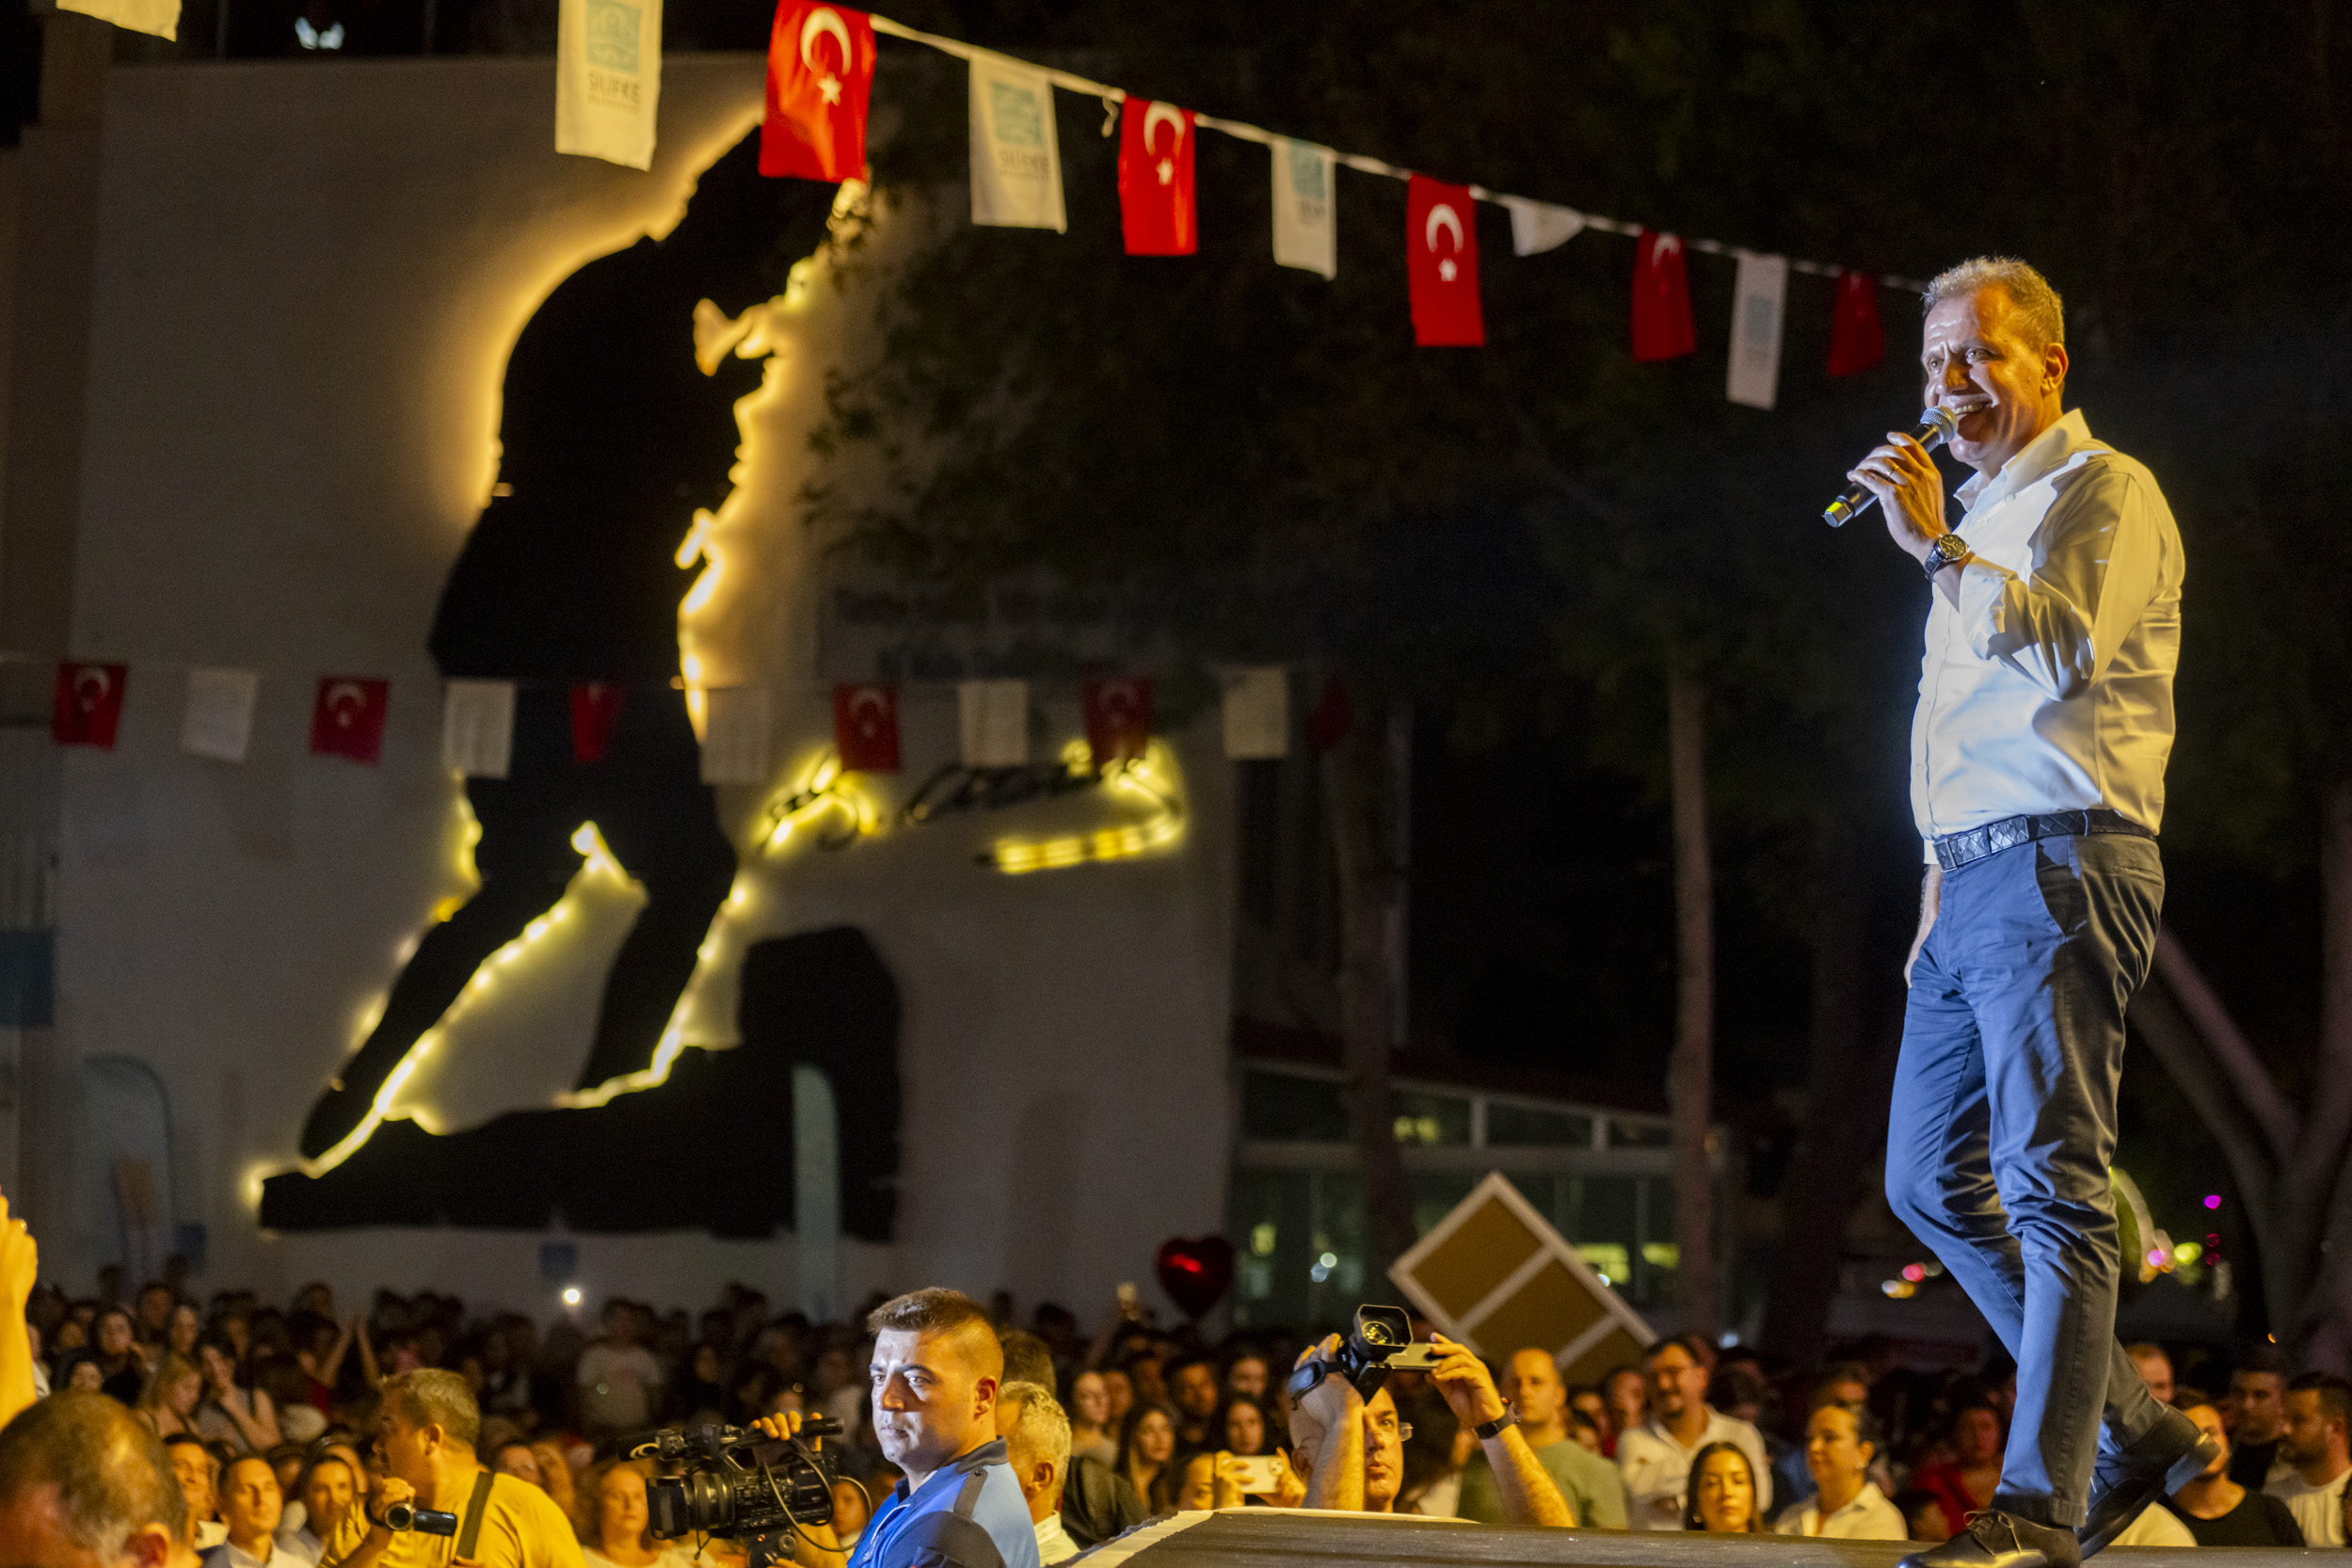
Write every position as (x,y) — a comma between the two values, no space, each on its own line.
(2213,1200)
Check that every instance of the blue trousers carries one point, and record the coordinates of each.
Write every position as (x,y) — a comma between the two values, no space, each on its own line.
(2003,1125)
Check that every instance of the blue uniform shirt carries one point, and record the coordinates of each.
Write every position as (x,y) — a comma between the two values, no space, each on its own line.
(969,1513)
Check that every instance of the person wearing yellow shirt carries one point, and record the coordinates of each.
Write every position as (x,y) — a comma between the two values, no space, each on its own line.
(426,1426)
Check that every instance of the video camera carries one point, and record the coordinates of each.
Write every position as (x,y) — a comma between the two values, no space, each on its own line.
(1382,1343)
(742,1485)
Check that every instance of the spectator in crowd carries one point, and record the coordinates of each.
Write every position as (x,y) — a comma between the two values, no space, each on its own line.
(1923,1516)
(620,1380)
(1841,1442)
(181,1331)
(2155,1368)
(1240,1427)
(1118,1392)
(155,1316)
(554,1475)
(1193,1391)
(1655,1457)
(1965,1484)
(1089,1416)
(425,1428)
(2317,1450)
(1587,1399)
(1626,1395)
(192,1463)
(244,1420)
(517,1459)
(251,1506)
(937,1369)
(85,1484)
(851,1508)
(1247,1373)
(616,1529)
(699,1396)
(122,1372)
(1586,1433)
(332,1525)
(1434,1457)
(1723,1492)
(2256,1414)
(1037,1446)
(169,1401)
(1147,1447)
(2220,1511)
(1592,1487)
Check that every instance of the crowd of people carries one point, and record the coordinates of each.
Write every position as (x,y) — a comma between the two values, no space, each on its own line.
(291,1431)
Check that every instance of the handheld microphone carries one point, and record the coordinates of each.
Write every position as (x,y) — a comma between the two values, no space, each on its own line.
(1935,428)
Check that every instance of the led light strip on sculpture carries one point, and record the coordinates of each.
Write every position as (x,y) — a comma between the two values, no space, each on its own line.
(1147,778)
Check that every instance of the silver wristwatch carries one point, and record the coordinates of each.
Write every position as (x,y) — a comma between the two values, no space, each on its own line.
(1947,549)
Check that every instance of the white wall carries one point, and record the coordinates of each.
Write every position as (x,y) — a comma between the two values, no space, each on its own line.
(309,276)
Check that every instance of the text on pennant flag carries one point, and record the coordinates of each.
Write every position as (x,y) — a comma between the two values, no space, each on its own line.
(821,63)
(478,728)
(992,723)
(595,710)
(1118,717)
(1759,300)
(1442,264)
(608,79)
(1257,714)
(1306,206)
(348,717)
(1662,328)
(87,708)
(1158,214)
(1538,226)
(217,722)
(1017,158)
(1856,340)
(735,735)
(865,728)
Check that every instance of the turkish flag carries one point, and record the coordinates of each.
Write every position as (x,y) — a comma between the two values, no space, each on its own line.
(594,708)
(1441,261)
(1661,299)
(347,720)
(89,705)
(865,728)
(1118,718)
(1157,211)
(819,76)
(1856,339)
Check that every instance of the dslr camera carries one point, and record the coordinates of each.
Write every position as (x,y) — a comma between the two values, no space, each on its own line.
(742,1485)
(1381,1342)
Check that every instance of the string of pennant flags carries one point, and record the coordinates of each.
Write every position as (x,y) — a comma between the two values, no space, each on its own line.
(348,713)
(820,78)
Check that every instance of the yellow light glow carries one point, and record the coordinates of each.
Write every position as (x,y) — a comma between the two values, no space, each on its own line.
(1148,779)
(824,793)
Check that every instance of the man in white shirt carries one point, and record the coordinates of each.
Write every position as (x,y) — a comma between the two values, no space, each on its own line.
(2314,1445)
(2038,754)
(1036,1433)
(1655,1458)
(620,1381)
(250,1505)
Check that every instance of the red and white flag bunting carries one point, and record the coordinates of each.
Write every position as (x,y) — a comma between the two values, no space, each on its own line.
(1759,299)
(865,728)
(1158,214)
(1856,342)
(1118,717)
(89,705)
(1441,238)
(348,717)
(1661,299)
(820,81)
(1306,206)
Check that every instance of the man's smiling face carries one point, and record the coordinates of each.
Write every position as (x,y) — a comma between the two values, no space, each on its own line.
(1979,361)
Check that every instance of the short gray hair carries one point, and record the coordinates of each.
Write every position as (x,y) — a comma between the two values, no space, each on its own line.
(430,1396)
(108,1467)
(1042,1430)
(2040,310)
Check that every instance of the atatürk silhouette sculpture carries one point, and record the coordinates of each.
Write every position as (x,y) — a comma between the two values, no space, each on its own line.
(612,435)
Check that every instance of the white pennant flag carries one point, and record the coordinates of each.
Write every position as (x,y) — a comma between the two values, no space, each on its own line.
(159,17)
(993,716)
(1306,206)
(478,728)
(1016,161)
(735,730)
(1538,226)
(608,78)
(1757,298)
(1257,714)
(218,720)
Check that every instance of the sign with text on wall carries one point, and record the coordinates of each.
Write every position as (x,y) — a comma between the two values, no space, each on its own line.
(1495,1275)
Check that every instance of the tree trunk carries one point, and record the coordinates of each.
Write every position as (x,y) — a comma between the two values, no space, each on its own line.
(1363,798)
(1690,1073)
(1847,1075)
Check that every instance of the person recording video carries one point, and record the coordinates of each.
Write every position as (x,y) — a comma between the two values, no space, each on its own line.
(426,1429)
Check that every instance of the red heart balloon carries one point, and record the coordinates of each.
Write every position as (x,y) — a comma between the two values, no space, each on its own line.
(1195,1270)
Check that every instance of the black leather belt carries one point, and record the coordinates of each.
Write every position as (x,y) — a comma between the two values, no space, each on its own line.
(1955,850)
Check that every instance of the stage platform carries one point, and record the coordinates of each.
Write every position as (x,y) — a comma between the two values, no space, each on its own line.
(1285,1538)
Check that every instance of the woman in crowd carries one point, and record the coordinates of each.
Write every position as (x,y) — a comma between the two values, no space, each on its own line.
(182,1330)
(1722,1496)
(1964,1485)
(245,1419)
(1146,1455)
(851,1510)
(517,1459)
(616,1530)
(1118,1391)
(2217,1510)
(1841,1441)
(332,1523)
(121,1368)
(169,1399)
(1089,1403)
(554,1475)
(1240,1427)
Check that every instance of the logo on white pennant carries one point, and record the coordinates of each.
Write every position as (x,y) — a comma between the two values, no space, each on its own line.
(91,685)
(345,701)
(1443,217)
(823,20)
(1158,115)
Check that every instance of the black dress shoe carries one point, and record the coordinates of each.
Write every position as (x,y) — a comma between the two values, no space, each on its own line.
(1998,1540)
(2172,1454)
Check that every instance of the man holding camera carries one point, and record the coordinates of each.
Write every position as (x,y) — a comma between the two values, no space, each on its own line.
(937,1369)
(426,1425)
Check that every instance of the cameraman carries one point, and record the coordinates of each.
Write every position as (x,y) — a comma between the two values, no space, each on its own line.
(937,1368)
(1353,1448)
(427,1424)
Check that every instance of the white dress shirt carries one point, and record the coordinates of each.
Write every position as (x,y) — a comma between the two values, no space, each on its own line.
(2049,686)
(1868,1517)
(1053,1542)
(2318,1509)
(1658,1468)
